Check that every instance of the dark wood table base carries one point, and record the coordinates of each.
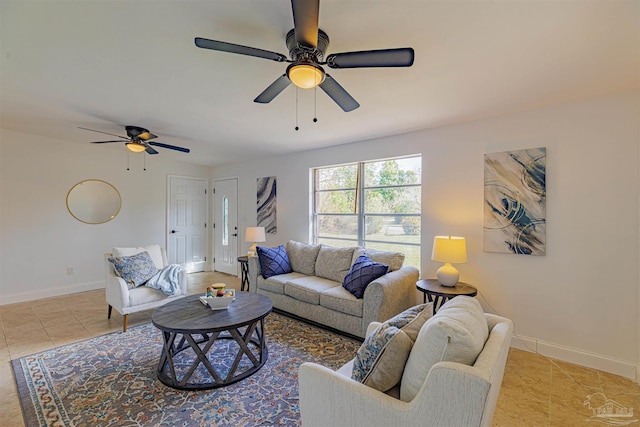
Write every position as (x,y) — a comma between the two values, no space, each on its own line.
(253,336)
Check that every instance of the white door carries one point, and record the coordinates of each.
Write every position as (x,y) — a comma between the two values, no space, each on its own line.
(187,222)
(225,227)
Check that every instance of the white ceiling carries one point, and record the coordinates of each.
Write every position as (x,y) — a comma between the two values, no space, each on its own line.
(105,64)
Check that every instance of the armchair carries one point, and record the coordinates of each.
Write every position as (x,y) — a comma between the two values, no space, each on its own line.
(126,300)
(453,394)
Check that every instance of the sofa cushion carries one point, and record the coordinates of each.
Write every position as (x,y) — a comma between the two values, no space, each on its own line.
(363,272)
(393,259)
(380,360)
(273,261)
(308,289)
(303,257)
(275,284)
(135,270)
(341,300)
(154,252)
(334,263)
(456,333)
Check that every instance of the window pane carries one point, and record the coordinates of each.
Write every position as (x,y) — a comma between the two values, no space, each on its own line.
(411,253)
(392,200)
(225,221)
(336,178)
(345,226)
(341,201)
(399,229)
(338,243)
(393,172)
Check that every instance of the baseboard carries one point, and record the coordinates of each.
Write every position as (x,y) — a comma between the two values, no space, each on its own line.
(578,357)
(50,292)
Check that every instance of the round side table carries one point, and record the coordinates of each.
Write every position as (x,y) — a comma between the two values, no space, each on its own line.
(439,294)
(244,268)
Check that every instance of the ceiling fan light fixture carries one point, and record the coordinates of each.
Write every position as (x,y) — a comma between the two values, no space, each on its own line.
(135,147)
(305,76)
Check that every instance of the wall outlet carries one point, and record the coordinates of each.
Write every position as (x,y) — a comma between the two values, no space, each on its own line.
(70,271)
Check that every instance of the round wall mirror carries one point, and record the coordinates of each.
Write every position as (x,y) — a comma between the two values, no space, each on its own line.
(93,201)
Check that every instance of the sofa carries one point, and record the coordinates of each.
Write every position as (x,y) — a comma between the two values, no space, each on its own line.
(450,376)
(313,289)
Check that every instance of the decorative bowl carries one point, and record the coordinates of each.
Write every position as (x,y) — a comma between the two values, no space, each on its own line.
(220,303)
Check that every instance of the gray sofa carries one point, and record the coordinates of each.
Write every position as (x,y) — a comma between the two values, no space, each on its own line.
(313,290)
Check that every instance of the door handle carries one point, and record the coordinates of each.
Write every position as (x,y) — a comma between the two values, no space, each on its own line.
(173,231)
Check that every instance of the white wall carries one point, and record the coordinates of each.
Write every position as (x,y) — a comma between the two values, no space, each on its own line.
(39,239)
(577,303)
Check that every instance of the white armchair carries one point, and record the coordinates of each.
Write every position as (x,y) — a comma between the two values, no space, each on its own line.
(453,394)
(126,300)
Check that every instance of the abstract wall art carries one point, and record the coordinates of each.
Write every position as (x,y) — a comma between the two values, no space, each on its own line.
(267,204)
(515,202)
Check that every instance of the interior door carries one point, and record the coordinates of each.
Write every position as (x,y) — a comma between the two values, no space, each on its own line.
(187,232)
(225,227)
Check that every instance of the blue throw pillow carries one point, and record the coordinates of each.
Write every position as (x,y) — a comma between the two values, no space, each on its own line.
(273,261)
(135,270)
(363,272)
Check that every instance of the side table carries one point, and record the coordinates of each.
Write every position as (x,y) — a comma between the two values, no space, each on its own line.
(244,269)
(439,294)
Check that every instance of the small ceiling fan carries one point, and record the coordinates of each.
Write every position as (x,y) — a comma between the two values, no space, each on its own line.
(307,46)
(137,140)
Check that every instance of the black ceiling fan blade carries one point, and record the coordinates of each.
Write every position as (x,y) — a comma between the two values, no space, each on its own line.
(338,94)
(401,57)
(106,133)
(305,21)
(171,147)
(274,89)
(150,150)
(239,49)
(106,142)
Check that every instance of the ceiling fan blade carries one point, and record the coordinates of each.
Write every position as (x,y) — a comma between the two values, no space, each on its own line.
(106,133)
(171,147)
(150,150)
(338,94)
(274,89)
(239,49)
(105,142)
(401,57)
(305,21)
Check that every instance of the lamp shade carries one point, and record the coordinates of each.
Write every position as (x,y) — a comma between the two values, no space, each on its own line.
(449,249)
(254,234)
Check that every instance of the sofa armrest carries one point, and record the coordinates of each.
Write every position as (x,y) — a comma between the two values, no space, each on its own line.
(116,289)
(254,272)
(389,295)
(328,398)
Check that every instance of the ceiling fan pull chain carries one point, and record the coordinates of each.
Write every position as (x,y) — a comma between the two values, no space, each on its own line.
(315,104)
(297,128)
(144,161)
(128,154)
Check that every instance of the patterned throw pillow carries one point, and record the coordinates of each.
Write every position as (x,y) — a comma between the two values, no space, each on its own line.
(135,270)
(380,360)
(273,261)
(363,272)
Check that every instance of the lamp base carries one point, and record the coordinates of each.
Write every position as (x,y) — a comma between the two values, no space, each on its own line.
(252,250)
(448,275)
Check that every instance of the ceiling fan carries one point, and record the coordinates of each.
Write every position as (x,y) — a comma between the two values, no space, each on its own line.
(137,140)
(307,46)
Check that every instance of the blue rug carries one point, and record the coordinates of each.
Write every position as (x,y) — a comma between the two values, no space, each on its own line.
(111,381)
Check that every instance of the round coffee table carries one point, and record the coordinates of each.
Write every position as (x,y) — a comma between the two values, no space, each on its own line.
(190,330)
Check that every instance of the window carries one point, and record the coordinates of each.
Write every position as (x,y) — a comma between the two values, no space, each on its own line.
(373,204)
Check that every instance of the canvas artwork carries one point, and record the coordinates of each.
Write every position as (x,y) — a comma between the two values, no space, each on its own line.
(267,204)
(515,202)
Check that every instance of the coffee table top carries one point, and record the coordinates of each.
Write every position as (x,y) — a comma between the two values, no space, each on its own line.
(189,315)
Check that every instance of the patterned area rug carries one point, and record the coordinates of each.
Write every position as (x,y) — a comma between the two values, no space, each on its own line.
(111,381)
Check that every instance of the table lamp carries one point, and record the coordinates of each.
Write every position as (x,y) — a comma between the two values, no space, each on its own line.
(449,249)
(254,235)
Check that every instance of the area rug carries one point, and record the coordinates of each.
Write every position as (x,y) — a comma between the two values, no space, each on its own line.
(111,381)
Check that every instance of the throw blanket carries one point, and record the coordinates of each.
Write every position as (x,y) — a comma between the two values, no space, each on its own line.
(166,279)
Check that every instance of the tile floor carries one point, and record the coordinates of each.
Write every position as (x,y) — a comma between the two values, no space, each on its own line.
(536,391)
